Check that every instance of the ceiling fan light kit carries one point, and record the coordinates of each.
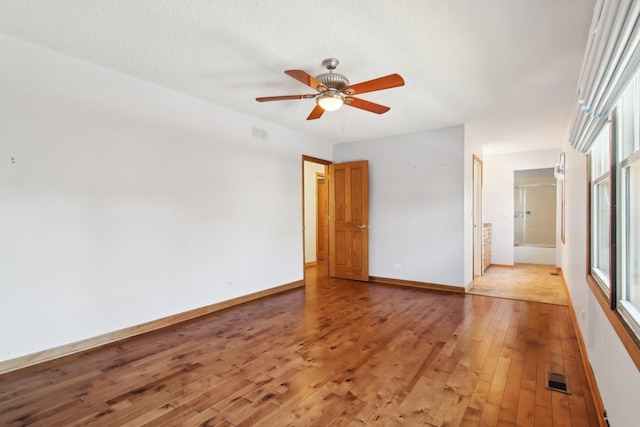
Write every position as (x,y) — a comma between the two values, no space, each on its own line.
(334,90)
(330,100)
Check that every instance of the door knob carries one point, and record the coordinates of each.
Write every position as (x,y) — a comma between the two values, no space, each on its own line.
(362,226)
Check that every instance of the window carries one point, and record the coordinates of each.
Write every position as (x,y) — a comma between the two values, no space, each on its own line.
(615,208)
(600,209)
(606,123)
(628,169)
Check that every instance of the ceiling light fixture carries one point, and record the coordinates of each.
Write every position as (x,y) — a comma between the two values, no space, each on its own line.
(330,100)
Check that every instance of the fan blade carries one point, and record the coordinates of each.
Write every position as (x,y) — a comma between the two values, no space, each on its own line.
(387,82)
(366,105)
(283,98)
(307,79)
(316,113)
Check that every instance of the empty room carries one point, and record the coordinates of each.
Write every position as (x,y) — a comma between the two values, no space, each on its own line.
(303,213)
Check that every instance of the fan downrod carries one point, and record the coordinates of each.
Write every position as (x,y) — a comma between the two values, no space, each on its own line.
(333,81)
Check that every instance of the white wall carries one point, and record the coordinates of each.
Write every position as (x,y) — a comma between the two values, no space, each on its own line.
(123,202)
(416,204)
(617,376)
(534,255)
(310,209)
(497,196)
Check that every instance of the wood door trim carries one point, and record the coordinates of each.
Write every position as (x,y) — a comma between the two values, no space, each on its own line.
(473,216)
(316,160)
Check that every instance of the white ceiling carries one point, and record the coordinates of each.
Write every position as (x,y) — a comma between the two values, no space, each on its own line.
(508,69)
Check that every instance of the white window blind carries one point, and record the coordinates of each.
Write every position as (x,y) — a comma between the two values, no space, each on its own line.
(611,60)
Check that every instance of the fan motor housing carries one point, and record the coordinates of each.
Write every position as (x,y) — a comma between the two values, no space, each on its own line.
(333,80)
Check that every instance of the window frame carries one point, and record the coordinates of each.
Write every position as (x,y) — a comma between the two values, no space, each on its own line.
(626,324)
(595,273)
(629,313)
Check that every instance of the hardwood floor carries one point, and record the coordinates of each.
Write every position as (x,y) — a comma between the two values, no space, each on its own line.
(529,282)
(336,353)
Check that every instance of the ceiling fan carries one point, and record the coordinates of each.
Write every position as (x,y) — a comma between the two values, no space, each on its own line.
(334,90)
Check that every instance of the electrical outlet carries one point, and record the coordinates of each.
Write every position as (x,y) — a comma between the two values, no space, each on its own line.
(228,284)
(397,266)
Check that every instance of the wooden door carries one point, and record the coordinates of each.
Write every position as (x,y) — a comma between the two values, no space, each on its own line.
(322,232)
(349,220)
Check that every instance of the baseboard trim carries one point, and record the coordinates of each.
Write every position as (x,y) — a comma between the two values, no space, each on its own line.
(122,334)
(591,379)
(414,284)
(468,286)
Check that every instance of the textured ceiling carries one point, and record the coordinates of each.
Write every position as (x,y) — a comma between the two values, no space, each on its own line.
(508,69)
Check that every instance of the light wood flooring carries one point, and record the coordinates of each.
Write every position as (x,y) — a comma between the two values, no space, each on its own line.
(336,353)
(529,282)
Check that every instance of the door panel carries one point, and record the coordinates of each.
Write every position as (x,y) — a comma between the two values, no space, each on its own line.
(349,220)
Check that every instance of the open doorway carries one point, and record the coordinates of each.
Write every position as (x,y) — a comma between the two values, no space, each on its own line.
(315,217)
(534,197)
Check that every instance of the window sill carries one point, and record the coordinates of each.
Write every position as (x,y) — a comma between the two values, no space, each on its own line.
(626,335)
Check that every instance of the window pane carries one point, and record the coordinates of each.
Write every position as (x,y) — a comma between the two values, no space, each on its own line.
(626,129)
(600,153)
(600,206)
(631,230)
(600,230)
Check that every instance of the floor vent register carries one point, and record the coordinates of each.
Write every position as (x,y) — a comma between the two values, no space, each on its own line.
(557,382)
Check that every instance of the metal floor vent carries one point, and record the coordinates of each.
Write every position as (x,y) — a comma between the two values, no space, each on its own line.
(557,382)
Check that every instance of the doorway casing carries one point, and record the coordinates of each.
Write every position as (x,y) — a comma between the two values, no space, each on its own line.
(477,216)
(311,167)
(347,239)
